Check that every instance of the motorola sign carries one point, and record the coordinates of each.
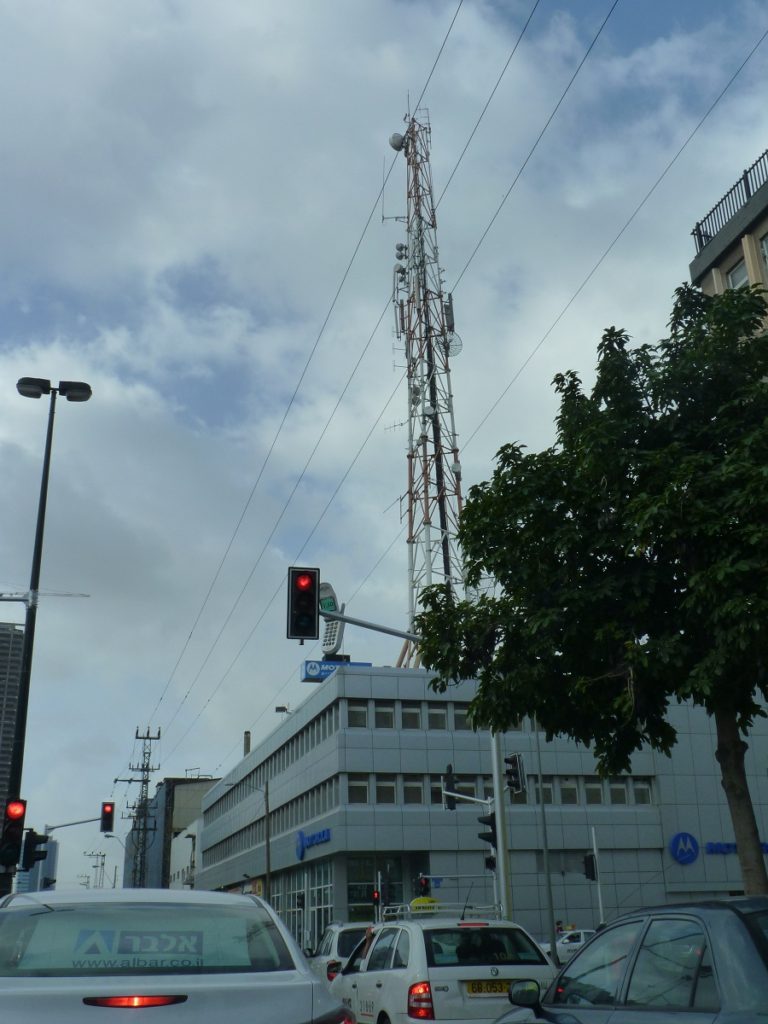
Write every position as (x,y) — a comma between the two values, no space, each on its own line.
(306,839)
(684,848)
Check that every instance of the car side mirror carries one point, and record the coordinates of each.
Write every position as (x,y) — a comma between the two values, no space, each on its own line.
(526,993)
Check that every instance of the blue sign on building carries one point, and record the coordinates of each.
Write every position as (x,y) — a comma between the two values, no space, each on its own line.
(306,839)
(684,848)
(317,671)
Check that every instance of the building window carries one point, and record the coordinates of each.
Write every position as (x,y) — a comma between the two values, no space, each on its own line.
(569,791)
(737,276)
(413,789)
(437,716)
(411,714)
(593,790)
(764,250)
(546,789)
(488,793)
(357,714)
(460,718)
(385,789)
(642,791)
(617,790)
(384,715)
(436,789)
(465,785)
(357,789)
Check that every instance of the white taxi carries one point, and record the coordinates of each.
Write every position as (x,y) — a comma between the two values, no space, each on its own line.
(439,968)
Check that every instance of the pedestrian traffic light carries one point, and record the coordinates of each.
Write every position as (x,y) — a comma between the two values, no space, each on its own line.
(303,604)
(489,820)
(590,867)
(107,817)
(449,786)
(514,772)
(375,897)
(490,863)
(13,832)
(30,854)
(424,885)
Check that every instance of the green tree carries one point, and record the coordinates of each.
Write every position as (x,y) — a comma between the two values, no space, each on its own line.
(628,561)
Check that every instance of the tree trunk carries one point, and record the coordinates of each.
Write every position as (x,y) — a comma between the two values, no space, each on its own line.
(730,754)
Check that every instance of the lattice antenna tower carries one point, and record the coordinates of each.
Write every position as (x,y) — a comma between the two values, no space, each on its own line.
(424,323)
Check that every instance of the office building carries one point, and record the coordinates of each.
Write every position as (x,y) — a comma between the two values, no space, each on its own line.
(11,643)
(354,781)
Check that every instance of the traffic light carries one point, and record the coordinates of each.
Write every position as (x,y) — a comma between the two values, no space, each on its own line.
(489,820)
(303,604)
(107,817)
(490,863)
(424,886)
(449,785)
(30,855)
(375,897)
(514,773)
(13,832)
(590,867)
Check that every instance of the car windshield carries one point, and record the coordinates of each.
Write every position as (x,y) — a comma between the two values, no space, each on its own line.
(349,939)
(452,946)
(71,940)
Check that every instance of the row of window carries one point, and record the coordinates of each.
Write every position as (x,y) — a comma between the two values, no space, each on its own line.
(364,788)
(389,789)
(407,714)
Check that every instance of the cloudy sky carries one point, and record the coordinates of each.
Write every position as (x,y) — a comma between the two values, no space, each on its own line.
(183,185)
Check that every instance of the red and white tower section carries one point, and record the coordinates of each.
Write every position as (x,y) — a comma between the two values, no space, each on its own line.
(424,324)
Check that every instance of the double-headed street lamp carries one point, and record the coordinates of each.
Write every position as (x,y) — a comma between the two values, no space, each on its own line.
(73,391)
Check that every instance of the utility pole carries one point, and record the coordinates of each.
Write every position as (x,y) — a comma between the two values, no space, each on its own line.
(140,808)
(98,867)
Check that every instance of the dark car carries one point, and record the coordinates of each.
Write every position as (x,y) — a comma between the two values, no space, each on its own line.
(698,963)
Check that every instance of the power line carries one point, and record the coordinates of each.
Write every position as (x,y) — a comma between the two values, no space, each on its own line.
(536,143)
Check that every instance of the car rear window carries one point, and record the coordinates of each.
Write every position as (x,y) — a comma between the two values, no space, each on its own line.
(71,940)
(457,945)
(349,939)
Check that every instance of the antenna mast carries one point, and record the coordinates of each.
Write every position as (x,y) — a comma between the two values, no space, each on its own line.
(424,323)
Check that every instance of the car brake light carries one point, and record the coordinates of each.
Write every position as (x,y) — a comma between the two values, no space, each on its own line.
(332,969)
(133,1002)
(420,1001)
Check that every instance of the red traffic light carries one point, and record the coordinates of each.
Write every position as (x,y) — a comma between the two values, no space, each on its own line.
(303,603)
(107,817)
(15,809)
(376,897)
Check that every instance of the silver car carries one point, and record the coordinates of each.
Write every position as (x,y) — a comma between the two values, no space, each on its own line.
(201,956)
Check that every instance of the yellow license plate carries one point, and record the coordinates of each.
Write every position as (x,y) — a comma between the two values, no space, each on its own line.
(487,988)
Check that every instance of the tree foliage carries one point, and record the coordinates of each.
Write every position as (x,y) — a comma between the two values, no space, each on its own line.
(628,559)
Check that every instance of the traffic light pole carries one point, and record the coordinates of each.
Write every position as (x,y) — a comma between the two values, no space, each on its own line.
(502,852)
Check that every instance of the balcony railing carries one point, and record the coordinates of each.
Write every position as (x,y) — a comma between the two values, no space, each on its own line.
(733,201)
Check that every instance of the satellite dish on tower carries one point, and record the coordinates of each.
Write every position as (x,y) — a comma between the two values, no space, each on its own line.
(397,141)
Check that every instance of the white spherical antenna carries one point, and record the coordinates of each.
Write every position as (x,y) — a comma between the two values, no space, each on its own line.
(397,141)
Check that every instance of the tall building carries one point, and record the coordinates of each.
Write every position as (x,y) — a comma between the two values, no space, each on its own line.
(11,643)
(732,240)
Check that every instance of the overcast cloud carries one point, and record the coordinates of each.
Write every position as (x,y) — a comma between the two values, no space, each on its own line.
(182,187)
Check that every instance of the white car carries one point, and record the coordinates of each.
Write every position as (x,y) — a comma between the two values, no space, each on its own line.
(337,943)
(439,968)
(186,957)
(569,942)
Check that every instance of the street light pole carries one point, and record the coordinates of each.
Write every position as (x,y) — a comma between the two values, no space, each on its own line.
(34,387)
